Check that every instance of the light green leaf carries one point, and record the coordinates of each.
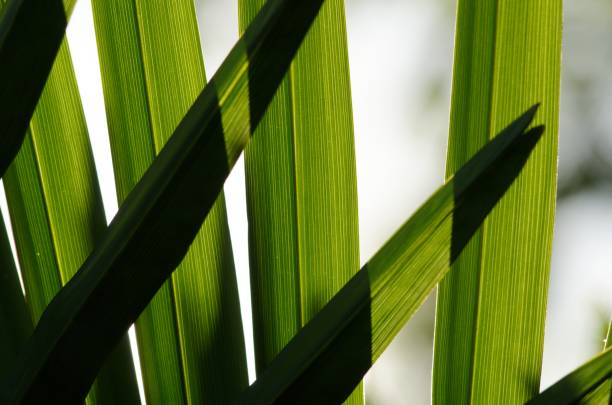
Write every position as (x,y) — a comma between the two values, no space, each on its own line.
(328,357)
(491,308)
(57,213)
(152,71)
(301,188)
(159,219)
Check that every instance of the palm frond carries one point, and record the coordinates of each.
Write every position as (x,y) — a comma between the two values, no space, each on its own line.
(159,219)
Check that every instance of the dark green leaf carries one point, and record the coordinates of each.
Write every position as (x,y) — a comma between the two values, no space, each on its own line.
(578,383)
(15,322)
(602,395)
(31,32)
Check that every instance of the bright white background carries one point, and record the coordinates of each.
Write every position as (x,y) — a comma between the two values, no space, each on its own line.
(401,62)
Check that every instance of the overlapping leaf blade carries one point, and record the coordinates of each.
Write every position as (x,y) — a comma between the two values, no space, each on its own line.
(57,214)
(27,58)
(301,188)
(491,308)
(13,309)
(326,360)
(159,219)
(152,70)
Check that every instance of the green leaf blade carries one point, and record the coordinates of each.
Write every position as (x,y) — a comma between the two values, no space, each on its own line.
(33,238)
(193,324)
(57,214)
(301,188)
(27,59)
(491,308)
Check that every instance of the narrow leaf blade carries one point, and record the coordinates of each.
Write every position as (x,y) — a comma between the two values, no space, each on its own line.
(152,70)
(491,308)
(301,188)
(57,213)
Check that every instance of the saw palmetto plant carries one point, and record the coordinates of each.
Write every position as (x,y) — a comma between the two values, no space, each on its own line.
(165,261)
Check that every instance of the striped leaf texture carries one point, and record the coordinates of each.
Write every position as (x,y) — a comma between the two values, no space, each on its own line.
(301,188)
(190,338)
(491,307)
(57,214)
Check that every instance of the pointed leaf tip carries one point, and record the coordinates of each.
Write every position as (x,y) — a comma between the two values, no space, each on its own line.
(530,113)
